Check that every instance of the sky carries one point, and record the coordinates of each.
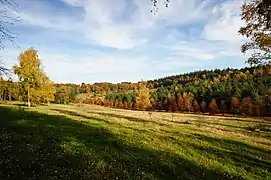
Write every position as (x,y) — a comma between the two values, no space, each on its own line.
(122,40)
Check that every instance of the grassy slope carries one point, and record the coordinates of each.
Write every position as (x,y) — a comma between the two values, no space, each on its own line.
(92,142)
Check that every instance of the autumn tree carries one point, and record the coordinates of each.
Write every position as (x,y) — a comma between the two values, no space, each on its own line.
(196,107)
(120,105)
(62,95)
(3,88)
(187,100)
(47,90)
(170,104)
(35,82)
(180,103)
(257,17)
(235,105)
(213,108)
(125,105)
(246,106)
(143,97)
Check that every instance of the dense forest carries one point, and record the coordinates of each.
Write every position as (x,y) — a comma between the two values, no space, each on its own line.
(239,91)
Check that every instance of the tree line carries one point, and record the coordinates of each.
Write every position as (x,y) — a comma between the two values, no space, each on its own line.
(239,91)
(245,91)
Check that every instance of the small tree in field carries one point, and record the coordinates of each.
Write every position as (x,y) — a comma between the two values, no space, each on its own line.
(143,97)
(213,108)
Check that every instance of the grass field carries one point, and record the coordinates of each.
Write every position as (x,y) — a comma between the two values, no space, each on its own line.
(92,142)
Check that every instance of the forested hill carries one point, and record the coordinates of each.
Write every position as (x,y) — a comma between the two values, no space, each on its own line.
(203,75)
(246,91)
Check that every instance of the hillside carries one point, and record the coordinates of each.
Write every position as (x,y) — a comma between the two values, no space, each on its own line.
(237,91)
(94,142)
(244,91)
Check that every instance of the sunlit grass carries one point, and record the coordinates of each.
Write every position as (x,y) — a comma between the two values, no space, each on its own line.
(93,142)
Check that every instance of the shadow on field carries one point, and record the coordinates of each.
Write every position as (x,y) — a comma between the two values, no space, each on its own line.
(72,113)
(40,146)
(253,159)
(134,119)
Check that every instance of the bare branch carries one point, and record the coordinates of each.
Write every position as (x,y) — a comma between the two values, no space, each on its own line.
(7,19)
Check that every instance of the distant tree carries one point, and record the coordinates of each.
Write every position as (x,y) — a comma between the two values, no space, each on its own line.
(203,106)
(116,103)
(180,103)
(120,105)
(235,105)
(255,108)
(130,105)
(125,105)
(143,97)
(196,107)
(171,104)
(213,108)
(63,95)
(187,99)
(223,107)
(153,104)
(3,87)
(46,91)
(257,16)
(246,106)
(10,88)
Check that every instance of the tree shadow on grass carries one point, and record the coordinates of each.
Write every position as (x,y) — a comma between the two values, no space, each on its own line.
(40,146)
(72,113)
(133,119)
(253,159)
(266,121)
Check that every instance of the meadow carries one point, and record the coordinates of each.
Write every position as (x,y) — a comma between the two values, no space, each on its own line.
(94,142)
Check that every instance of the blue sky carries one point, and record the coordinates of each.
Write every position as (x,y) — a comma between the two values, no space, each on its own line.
(121,40)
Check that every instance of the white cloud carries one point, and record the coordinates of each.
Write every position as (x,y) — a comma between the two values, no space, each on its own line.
(225,22)
(137,36)
(121,27)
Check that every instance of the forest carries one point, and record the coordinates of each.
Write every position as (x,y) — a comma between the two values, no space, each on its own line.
(245,91)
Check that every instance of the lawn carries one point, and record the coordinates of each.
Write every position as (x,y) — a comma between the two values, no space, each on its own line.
(93,142)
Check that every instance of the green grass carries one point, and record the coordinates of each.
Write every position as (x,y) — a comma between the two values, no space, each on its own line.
(92,142)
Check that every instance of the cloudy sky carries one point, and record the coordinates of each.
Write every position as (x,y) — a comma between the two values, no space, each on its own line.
(121,40)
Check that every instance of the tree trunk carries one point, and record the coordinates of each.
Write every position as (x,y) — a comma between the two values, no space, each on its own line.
(28,98)
(4,96)
(9,96)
